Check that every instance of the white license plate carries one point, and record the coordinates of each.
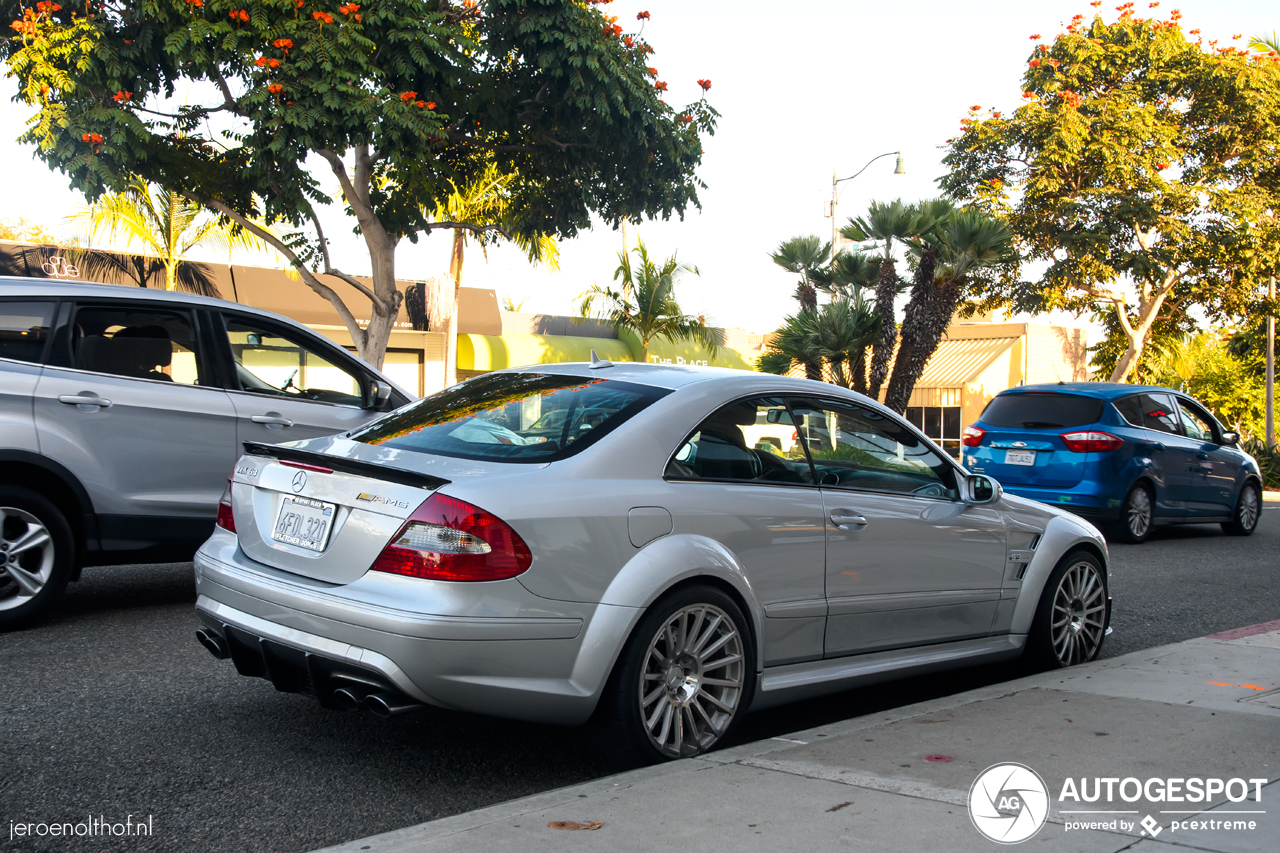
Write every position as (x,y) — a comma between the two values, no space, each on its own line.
(303,522)
(1019,457)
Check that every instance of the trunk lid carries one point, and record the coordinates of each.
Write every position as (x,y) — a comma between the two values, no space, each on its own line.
(1020,424)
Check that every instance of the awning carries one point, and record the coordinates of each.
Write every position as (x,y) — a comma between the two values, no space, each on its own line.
(959,360)
(495,352)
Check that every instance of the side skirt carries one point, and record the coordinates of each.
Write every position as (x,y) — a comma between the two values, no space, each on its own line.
(782,684)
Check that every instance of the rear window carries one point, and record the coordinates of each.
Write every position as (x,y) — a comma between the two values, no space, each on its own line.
(1041,411)
(512,417)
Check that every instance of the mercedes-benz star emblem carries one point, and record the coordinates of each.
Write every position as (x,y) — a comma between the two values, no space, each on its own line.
(299,481)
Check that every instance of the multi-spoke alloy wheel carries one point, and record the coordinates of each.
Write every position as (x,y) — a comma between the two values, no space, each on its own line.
(1248,510)
(1079,614)
(691,684)
(1138,511)
(35,554)
(26,557)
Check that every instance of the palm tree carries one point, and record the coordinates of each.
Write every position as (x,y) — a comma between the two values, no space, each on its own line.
(949,253)
(885,222)
(645,304)
(836,334)
(480,210)
(848,274)
(168,225)
(807,257)
(1266,44)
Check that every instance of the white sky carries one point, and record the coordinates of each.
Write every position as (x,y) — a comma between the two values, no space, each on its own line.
(804,89)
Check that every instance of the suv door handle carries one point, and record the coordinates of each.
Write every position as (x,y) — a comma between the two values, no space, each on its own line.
(1202,455)
(271,420)
(84,400)
(845,519)
(1154,445)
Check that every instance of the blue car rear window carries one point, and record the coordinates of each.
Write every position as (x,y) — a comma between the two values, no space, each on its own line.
(1041,411)
(512,417)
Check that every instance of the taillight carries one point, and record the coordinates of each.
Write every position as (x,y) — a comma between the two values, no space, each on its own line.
(450,540)
(1091,441)
(226,520)
(972,436)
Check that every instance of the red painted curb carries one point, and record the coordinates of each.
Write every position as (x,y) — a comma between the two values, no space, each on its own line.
(1249,631)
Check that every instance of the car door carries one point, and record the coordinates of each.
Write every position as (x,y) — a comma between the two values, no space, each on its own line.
(1161,442)
(24,333)
(744,492)
(908,562)
(128,405)
(287,385)
(1212,470)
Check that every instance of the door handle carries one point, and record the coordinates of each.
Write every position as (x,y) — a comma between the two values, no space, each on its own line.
(845,519)
(271,420)
(1154,445)
(85,399)
(1202,455)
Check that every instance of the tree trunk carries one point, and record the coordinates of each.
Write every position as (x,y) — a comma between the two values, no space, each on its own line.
(927,315)
(441,296)
(886,291)
(1150,300)
(813,370)
(858,366)
(383,315)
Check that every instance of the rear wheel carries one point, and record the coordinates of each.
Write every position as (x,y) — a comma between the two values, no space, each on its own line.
(1137,516)
(35,555)
(683,681)
(1071,618)
(1248,512)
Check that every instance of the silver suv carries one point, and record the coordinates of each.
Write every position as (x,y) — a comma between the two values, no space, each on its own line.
(122,411)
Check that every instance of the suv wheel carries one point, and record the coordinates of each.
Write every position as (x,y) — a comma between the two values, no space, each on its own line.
(1137,516)
(35,555)
(1248,512)
(683,681)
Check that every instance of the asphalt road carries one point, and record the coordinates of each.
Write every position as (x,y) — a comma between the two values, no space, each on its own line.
(112,709)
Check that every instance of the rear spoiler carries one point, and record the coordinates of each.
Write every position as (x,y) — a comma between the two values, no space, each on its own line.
(346,466)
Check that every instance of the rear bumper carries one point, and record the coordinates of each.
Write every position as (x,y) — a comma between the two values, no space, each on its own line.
(314,638)
(1093,507)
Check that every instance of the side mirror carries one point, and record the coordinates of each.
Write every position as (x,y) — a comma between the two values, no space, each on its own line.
(376,394)
(1231,439)
(980,489)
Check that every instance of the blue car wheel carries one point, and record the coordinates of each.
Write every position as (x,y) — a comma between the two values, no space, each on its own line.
(1137,515)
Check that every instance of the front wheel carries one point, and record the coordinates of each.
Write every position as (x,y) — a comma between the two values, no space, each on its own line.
(1071,618)
(1247,514)
(684,678)
(35,555)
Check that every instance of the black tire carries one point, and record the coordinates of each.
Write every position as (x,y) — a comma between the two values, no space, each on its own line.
(1139,505)
(1065,596)
(619,728)
(1248,512)
(45,567)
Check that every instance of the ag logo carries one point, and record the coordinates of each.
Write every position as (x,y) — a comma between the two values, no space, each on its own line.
(1008,803)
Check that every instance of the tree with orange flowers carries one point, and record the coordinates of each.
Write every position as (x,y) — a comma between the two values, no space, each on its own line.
(403,100)
(1143,167)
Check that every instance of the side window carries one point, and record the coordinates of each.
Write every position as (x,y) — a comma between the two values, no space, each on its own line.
(268,362)
(1196,422)
(750,440)
(1130,408)
(1159,413)
(24,328)
(140,343)
(861,448)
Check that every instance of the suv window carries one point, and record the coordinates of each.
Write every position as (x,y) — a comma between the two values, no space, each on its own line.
(275,364)
(140,343)
(1196,423)
(1158,412)
(1041,410)
(24,328)
(750,440)
(861,448)
(512,417)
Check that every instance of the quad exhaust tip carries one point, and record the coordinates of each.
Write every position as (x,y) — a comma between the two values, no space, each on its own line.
(215,644)
(346,700)
(384,706)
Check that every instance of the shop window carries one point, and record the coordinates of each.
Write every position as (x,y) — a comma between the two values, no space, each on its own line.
(939,423)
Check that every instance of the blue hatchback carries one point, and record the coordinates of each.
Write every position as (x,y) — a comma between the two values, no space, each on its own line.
(1132,456)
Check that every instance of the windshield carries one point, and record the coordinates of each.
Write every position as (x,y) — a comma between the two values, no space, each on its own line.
(512,417)
(1042,411)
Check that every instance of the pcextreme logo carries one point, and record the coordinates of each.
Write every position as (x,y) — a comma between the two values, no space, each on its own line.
(1008,803)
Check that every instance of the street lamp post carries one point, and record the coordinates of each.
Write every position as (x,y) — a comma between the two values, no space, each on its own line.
(899,169)
(1271,367)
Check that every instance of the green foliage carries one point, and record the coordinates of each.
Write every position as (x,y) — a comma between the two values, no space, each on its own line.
(808,257)
(23,231)
(1142,168)
(834,335)
(406,99)
(1203,366)
(645,304)
(1268,459)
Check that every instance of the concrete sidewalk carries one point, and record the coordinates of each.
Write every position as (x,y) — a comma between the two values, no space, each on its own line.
(900,780)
